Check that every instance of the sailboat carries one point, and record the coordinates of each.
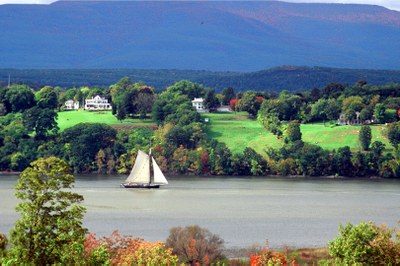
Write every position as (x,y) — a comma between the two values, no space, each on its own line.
(141,175)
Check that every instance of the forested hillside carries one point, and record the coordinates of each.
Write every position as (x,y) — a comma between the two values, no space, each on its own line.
(290,78)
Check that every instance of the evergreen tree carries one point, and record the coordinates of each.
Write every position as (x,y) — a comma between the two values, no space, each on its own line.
(365,137)
(293,132)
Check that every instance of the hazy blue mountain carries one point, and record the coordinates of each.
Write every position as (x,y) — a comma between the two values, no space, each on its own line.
(226,35)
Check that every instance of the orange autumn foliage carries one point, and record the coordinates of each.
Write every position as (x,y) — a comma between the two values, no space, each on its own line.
(268,257)
(127,250)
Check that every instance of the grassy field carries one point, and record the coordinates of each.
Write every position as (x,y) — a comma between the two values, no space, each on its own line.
(70,118)
(238,132)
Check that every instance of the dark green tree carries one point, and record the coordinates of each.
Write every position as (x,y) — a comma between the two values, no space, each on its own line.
(342,160)
(20,98)
(46,98)
(210,100)
(228,94)
(393,134)
(49,229)
(41,120)
(83,142)
(144,101)
(249,103)
(333,90)
(365,136)
(293,132)
(379,112)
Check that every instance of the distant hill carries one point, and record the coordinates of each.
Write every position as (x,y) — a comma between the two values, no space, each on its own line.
(275,79)
(212,35)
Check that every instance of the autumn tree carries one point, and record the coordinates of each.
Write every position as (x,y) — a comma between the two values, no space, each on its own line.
(49,230)
(194,244)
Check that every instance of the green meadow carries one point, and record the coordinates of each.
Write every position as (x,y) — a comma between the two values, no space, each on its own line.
(68,119)
(239,132)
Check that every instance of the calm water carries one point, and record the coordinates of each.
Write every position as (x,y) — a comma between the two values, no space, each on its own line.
(242,211)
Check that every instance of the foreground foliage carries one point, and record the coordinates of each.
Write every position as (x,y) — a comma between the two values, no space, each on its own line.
(49,230)
(126,250)
(195,245)
(365,244)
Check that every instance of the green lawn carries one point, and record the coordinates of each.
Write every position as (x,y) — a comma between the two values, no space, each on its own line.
(338,136)
(238,132)
(68,119)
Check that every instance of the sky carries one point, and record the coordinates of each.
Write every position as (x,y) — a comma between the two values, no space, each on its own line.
(391,4)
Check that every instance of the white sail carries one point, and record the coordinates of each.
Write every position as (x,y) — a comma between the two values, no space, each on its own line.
(159,177)
(140,173)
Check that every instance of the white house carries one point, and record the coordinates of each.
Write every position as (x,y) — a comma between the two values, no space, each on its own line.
(97,103)
(71,105)
(198,104)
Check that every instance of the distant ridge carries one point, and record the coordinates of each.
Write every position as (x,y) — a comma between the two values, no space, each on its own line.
(291,78)
(212,35)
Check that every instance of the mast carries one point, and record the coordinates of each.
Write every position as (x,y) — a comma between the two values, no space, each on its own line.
(150,166)
(9,80)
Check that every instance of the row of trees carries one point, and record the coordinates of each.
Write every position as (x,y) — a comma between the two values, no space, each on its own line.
(28,130)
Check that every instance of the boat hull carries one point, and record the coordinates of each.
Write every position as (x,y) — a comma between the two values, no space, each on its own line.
(145,186)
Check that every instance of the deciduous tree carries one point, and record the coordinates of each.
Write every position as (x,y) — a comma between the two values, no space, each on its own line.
(50,226)
(194,244)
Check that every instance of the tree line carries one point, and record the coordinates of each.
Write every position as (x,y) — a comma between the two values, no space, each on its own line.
(28,129)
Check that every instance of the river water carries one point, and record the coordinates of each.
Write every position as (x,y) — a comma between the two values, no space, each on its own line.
(242,211)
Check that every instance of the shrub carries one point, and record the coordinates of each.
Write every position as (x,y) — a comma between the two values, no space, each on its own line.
(365,243)
(265,256)
(194,244)
(126,250)
(3,244)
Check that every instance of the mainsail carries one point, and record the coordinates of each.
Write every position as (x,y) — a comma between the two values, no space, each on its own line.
(140,173)
(159,177)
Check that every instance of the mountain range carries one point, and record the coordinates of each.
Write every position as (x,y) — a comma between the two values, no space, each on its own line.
(198,35)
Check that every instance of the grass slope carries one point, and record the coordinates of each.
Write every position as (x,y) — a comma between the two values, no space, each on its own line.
(70,118)
(239,132)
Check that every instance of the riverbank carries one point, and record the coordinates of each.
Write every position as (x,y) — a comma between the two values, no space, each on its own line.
(304,256)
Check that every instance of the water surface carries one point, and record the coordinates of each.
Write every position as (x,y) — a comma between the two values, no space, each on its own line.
(242,211)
